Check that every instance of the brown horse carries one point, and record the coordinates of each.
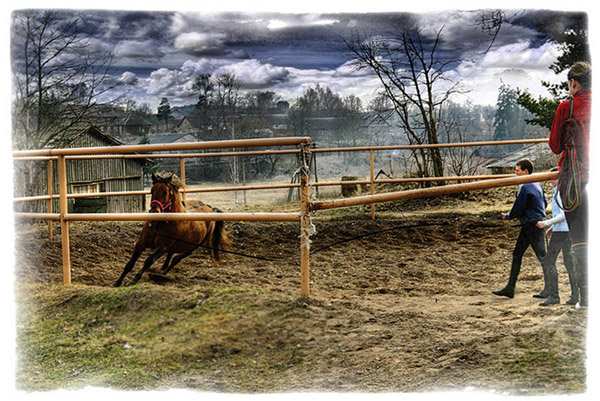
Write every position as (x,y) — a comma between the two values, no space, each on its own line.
(178,238)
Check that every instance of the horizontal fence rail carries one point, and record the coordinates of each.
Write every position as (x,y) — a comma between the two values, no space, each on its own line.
(430,146)
(250,216)
(427,192)
(272,186)
(101,150)
(161,155)
(414,179)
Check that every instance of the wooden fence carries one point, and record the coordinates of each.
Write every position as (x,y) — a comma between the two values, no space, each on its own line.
(307,207)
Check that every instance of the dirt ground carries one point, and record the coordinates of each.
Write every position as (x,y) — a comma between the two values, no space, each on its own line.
(402,303)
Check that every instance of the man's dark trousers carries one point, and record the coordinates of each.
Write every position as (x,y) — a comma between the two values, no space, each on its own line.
(529,235)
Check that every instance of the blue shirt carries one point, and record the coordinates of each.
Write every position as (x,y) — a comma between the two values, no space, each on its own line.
(530,205)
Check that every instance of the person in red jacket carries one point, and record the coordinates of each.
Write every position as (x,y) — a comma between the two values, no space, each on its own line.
(574,150)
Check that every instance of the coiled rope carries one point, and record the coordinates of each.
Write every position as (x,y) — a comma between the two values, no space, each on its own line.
(569,179)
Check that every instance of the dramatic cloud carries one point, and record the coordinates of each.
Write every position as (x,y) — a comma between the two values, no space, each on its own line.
(200,43)
(128,78)
(293,21)
(147,49)
(255,75)
(520,55)
(197,67)
(136,25)
(164,82)
(517,65)
(349,69)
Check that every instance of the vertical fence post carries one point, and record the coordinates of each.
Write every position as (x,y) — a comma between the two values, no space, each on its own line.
(182,175)
(372,165)
(50,193)
(64,225)
(315,170)
(304,220)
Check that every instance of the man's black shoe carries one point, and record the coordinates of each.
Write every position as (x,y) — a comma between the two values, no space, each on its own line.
(505,292)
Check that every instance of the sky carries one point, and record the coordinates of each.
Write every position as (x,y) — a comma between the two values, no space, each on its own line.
(160,53)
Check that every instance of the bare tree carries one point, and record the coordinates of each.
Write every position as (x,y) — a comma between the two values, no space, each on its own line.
(382,112)
(413,78)
(227,101)
(202,115)
(342,116)
(457,125)
(227,98)
(349,123)
(257,109)
(490,22)
(58,75)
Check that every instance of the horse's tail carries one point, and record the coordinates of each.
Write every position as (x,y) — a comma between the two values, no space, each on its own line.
(219,240)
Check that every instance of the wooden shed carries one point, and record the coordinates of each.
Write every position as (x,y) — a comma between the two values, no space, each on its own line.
(84,176)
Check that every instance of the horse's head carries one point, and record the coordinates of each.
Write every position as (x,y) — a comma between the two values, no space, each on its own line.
(165,193)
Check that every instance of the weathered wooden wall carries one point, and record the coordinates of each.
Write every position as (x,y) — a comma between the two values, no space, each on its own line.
(115,174)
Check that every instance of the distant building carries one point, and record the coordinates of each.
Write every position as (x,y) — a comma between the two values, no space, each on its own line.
(539,153)
(194,165)
(163,138)
(119,124)
(134,124)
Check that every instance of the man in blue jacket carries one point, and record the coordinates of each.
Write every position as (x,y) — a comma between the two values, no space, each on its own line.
(529,207)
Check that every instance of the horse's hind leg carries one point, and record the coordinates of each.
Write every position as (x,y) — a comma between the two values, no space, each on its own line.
(165,266)
(177,259)
(151,259)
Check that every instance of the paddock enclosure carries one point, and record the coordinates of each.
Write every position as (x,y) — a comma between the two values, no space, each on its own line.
(323,294)
(306,206)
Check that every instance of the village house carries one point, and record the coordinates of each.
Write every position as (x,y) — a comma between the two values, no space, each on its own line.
(539,153)
(172,164)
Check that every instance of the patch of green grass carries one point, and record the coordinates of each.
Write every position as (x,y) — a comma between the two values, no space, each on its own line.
(131,337)
(541,359)
(147,337)
(536,368)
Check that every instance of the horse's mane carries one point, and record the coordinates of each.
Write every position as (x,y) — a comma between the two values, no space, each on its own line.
(168,178)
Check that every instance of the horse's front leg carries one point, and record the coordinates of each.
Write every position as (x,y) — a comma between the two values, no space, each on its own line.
(137,252)
(151,259)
